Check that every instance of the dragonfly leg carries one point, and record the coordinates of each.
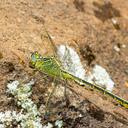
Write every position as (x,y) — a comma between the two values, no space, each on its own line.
(65,93)
(49,98)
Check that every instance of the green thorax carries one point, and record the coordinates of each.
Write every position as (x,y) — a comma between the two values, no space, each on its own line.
(51,67)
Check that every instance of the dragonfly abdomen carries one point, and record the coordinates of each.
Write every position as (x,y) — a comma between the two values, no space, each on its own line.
(84,84)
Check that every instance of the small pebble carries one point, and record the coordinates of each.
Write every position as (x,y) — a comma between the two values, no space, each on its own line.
(116,48)
(123,46)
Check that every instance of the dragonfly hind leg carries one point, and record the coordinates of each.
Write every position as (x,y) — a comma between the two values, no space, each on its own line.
(65,93)
(47,110)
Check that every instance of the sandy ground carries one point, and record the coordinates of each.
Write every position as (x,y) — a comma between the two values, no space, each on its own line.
(99,41)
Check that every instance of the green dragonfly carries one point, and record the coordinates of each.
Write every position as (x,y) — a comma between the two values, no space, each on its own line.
(51,66)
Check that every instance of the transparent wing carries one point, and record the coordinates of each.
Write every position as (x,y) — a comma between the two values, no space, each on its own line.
(48,43)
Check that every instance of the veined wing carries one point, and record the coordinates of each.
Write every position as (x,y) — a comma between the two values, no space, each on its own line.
(48,43)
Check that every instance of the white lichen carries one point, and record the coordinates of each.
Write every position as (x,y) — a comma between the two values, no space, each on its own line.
(12,87)
(2,126)
(49,125)
(8,118)
(29,117)
(59,123)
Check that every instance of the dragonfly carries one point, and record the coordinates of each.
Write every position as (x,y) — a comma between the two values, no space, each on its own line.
(52,66)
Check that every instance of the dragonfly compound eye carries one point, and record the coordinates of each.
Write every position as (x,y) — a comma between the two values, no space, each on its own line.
(34,58)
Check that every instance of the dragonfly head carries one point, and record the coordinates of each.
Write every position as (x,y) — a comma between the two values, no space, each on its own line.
(35,56)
